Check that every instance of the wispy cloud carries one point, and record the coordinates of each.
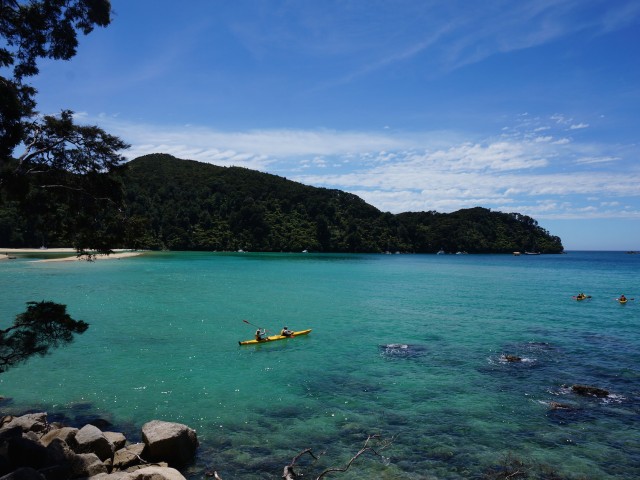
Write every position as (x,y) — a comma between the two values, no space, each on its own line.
(526,172)
(578,126)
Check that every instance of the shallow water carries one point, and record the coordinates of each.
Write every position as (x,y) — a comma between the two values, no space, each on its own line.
(163,343)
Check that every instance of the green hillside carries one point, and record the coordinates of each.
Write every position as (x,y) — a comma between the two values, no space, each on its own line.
(186,205)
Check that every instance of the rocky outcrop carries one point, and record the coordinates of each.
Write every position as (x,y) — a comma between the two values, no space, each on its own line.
(33,449)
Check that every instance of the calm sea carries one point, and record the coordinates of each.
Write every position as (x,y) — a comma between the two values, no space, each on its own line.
(404,346)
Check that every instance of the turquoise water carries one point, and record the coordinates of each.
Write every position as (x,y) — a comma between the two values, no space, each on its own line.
(163,344)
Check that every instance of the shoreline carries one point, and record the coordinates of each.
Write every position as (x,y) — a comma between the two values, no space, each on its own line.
(9,253)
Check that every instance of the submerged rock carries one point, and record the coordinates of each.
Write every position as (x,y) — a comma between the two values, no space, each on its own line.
(589,391)
(512,358)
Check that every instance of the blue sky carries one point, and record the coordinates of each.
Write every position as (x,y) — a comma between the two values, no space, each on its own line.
(518,106)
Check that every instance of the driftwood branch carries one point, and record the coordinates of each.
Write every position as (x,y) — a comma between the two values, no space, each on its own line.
(290,474)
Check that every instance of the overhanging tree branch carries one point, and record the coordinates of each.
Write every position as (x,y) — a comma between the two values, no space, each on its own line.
(34,332)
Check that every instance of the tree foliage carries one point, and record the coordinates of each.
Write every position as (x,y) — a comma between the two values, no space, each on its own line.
(55,153)
(34,332)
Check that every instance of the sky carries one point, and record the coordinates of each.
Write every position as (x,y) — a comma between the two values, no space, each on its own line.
(413,105)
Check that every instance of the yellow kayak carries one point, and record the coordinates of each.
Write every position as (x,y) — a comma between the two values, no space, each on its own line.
(273,338)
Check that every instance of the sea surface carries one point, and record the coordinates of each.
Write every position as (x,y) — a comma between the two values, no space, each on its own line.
(406,347)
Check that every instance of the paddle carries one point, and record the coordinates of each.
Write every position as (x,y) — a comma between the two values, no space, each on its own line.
(253,324)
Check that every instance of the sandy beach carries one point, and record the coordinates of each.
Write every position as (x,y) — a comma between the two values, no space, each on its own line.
(8,253)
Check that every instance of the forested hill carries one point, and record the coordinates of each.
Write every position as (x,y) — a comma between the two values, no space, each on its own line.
(186,205)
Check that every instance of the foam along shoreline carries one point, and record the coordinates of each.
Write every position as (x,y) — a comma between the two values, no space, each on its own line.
(6,253)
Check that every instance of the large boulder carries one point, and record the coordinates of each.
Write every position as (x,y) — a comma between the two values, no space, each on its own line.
(89,439)
(174,443)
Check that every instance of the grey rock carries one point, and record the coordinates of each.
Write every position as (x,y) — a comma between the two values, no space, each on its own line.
(68,434)
(90,439)
(156,473)
(128,456)
(87,465)
(174,443)
(31,422)
(117,439)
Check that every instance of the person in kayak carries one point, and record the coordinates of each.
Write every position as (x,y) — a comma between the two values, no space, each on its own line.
(260,334)
(622,298)
(285,332)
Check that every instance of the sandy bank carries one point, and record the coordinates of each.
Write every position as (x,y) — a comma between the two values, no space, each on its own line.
(6,253)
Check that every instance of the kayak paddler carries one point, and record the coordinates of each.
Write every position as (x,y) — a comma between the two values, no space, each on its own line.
(260,334)
(285,332)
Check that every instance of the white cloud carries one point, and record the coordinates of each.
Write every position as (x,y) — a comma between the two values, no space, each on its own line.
(578,126)
(397,172)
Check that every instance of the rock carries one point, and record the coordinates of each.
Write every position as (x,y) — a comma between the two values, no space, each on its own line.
(60,455)
(174,443)
(25,473)
(117,439)
(128,456)
(156,473)
(31,422)
(111,476)
(87,465)
(589,391)
(559,406)
(55,472)
(512,358)
(89,439)
(135,468)
(67,434)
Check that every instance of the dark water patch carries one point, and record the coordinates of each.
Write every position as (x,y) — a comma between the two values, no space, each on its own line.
(284,413)
(342,385)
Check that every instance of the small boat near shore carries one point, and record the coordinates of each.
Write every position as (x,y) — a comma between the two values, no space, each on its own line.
(274,338)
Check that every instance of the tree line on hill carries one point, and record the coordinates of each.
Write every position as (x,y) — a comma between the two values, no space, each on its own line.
(168,203)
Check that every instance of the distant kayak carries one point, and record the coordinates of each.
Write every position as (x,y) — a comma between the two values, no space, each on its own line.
(581,297)
(274,338)
(622,300)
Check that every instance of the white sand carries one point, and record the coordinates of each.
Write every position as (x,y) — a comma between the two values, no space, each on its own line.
(73,255)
